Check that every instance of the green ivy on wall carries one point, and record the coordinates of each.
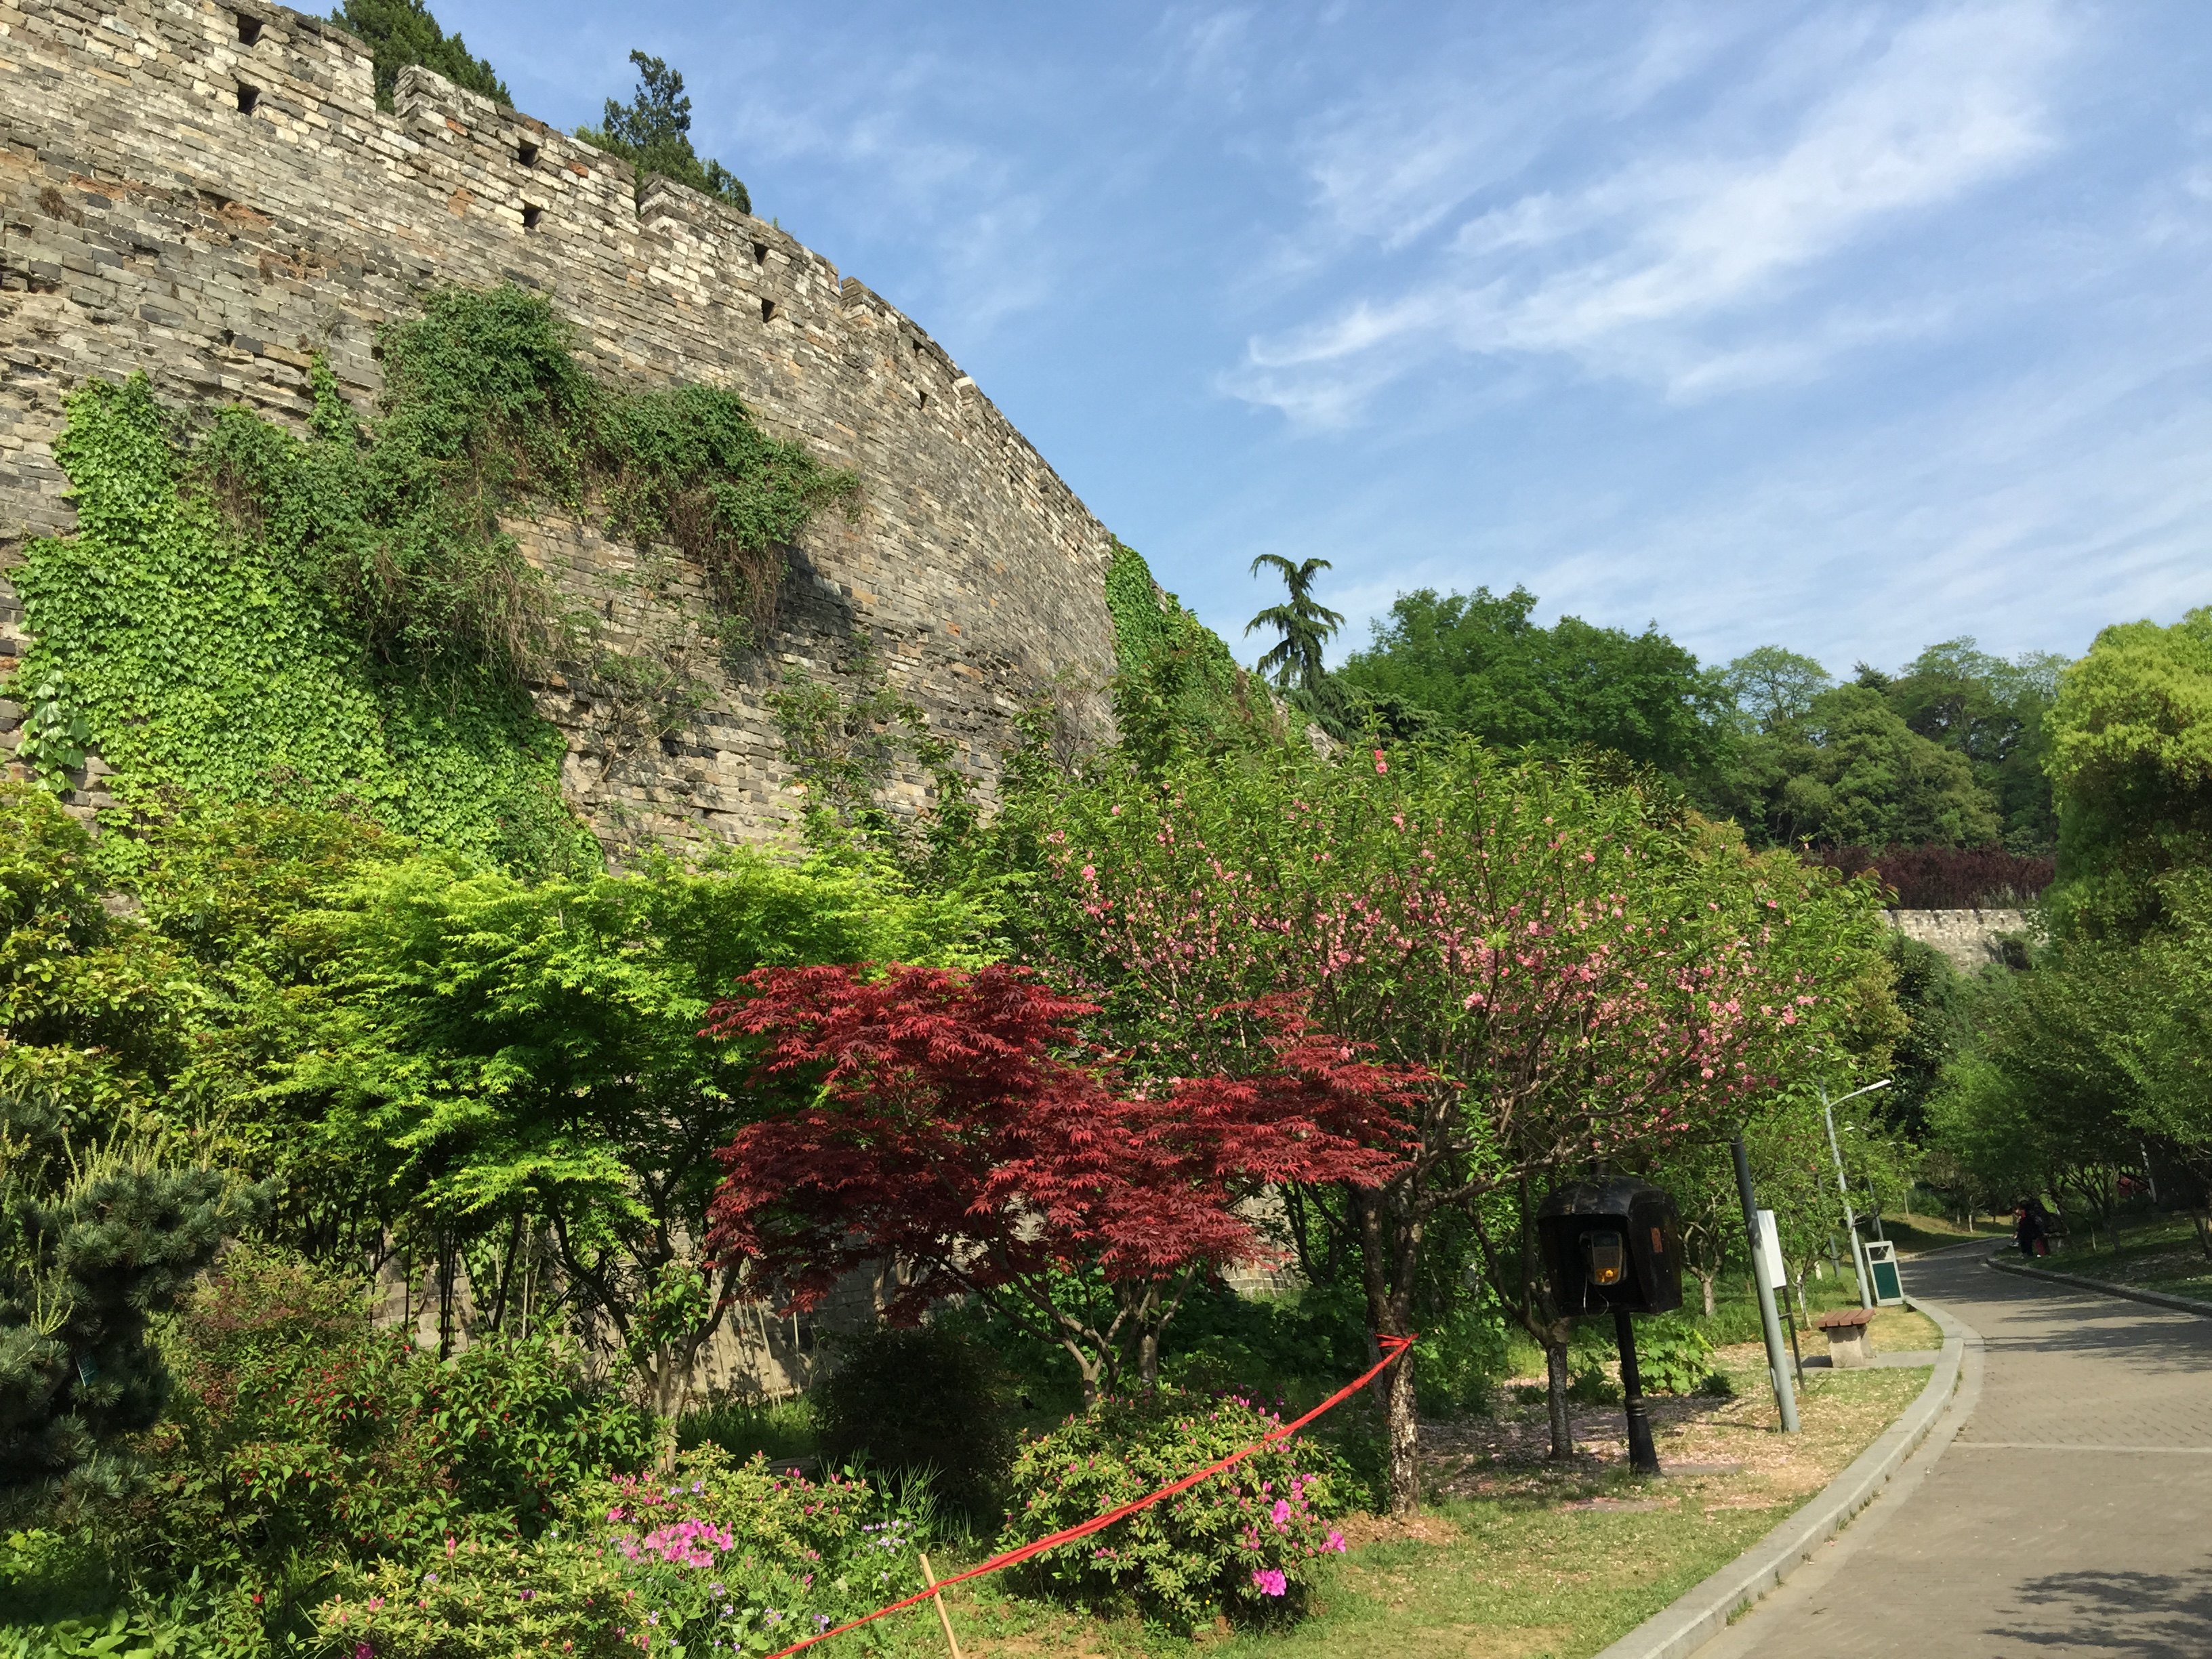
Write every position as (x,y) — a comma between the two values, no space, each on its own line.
(196,659)
(1148,620)
(251,615)
(1177,687)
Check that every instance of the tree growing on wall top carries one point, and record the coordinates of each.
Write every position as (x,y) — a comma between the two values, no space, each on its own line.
(402,33)
(1306,625)
(653,132)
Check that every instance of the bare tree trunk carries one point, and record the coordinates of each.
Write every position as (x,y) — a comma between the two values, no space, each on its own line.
(446,1295)
(1389,1250)
(1705,1281)
(506,1275)
(1402,1425)
(1555,1379)
(1092,1375)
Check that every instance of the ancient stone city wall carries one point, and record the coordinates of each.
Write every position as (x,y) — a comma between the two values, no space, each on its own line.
(1971,940)
(210,193)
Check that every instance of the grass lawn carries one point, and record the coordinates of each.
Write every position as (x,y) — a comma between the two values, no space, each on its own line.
(1514,1557)
(2156,1252)
(1921,1232)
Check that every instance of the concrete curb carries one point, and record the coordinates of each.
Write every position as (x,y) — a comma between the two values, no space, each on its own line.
(2156,1299)
(1676,1631)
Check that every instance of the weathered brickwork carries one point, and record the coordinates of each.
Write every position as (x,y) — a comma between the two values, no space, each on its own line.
(1972,940)
(210,193)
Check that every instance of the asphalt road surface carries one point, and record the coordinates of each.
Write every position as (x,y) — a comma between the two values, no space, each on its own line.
(2063,1506)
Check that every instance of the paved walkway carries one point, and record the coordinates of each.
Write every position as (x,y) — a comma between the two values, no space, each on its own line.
(2071,1514)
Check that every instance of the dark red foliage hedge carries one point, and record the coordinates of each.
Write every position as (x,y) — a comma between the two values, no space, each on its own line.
(1945,877)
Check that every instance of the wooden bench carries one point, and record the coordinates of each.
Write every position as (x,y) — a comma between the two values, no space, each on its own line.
(1850,1332)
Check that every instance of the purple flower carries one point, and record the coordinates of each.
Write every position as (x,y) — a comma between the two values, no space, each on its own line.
(1270,1581)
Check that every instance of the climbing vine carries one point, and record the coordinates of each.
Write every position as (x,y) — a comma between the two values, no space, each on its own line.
(197,658)
(255,615)
(845,740)
(1178,688)
(1148,620)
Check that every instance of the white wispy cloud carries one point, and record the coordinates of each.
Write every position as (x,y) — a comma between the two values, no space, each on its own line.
(1689,253)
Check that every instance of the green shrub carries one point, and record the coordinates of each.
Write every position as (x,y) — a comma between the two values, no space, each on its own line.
(1673,1357)
(907,1401)
(781,1430)
(1591,1382)
(132,1633)
(711,1554)
(300,1431)
(1243,1543)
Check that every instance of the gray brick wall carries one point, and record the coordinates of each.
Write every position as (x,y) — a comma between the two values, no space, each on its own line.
(146,221)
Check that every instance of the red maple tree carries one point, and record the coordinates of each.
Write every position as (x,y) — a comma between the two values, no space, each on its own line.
(954,1126)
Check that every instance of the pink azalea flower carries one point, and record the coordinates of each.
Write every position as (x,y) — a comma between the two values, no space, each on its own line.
(1270,1580)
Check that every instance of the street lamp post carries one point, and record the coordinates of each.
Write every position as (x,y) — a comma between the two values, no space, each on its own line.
(1843,1188)
(1778,1368)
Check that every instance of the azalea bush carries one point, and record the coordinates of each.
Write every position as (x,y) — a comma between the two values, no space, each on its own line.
(710,1557)
(1243,1543)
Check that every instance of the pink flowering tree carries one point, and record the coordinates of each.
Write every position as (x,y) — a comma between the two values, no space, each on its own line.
(1579,970)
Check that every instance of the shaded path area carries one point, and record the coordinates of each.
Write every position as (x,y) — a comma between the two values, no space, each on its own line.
(2072,1513)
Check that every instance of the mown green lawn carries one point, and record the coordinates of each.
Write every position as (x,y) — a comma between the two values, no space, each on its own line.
(2159,1253)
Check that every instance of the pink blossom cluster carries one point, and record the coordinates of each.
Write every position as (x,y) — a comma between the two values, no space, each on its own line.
(686,1543)
(1587,989)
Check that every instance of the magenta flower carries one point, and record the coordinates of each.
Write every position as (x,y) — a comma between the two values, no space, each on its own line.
(1333,1542)
(1270,1581)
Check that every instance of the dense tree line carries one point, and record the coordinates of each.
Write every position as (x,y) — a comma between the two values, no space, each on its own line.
(1949,750)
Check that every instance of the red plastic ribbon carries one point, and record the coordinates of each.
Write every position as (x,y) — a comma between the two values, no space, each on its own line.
(1392,1346)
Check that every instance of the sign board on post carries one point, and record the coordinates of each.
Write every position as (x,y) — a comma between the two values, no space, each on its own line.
(1882,1269)
(1772,1272)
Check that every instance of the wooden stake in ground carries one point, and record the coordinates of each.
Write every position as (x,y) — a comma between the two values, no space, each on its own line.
(938,1601)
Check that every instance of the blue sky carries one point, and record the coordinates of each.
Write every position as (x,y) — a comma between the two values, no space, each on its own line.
(1848,327)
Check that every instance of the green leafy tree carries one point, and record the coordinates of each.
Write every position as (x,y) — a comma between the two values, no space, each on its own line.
(2131,758)
(95,1010)
(402,33)
(1850,772)
(1774,688)
(1938,1007)
(507,1059)
(1480,666)
(1993,712)
(653,133)
(2048,1097)
(1585,971)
